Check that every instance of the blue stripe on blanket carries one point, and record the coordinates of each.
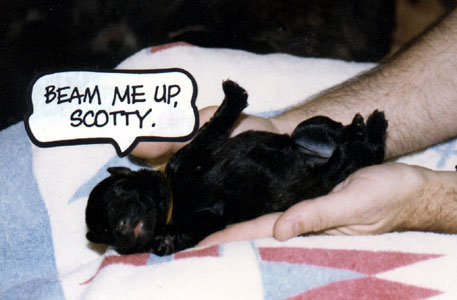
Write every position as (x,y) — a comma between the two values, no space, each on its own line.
(446,151)
(28,269)
(283,280)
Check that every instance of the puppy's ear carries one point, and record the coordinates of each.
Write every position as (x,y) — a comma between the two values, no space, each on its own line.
(94,238)
(119,171)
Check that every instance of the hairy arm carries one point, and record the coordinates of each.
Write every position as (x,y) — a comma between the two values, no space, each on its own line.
(417,89)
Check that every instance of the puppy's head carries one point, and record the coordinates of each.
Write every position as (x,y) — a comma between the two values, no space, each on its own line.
(127,209)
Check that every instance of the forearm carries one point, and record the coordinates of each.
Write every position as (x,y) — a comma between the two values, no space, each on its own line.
(417,89)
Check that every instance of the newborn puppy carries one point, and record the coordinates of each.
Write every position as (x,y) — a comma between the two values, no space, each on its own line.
(125,209)
(215,180)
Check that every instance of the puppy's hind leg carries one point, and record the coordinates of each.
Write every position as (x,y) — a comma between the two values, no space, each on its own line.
(364,147)
(376,134)
(318,136)
(376,127)
(356,131)
(226,115)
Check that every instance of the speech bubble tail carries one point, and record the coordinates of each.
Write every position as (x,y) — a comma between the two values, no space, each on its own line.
(123,148)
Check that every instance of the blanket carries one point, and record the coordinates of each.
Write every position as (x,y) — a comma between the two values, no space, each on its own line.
(45,255)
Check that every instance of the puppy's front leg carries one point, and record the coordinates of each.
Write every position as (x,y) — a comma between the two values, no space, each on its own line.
(164,244)
(172,240)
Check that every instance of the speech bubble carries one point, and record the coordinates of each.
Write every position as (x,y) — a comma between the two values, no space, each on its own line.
(121,107)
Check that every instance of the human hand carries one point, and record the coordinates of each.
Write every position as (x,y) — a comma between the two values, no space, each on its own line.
(163,150)
(376,199)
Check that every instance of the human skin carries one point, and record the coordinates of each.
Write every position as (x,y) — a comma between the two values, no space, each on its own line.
(417,90)
(377,199)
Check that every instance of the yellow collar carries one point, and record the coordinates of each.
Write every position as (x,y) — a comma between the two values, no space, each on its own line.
(170,211)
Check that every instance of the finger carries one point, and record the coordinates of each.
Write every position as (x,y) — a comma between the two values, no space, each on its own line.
(261,227)
(314,215)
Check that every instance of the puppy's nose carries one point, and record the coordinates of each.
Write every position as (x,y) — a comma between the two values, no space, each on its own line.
(124,227)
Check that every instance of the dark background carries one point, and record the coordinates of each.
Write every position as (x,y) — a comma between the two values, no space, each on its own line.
(51,35)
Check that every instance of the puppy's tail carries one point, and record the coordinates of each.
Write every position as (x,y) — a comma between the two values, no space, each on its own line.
(227,114)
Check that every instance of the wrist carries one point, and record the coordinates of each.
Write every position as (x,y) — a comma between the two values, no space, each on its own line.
(283,126)
(434,205)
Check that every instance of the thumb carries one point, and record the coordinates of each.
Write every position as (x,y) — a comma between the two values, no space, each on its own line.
(260,227)
(314,215)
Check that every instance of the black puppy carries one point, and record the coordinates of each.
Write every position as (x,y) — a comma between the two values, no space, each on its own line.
(216,180)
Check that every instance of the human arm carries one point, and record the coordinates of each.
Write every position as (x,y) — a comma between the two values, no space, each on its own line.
(377,199)
(416,88)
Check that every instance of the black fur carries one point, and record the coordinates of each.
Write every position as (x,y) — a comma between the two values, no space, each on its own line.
(216,180)
(117,205)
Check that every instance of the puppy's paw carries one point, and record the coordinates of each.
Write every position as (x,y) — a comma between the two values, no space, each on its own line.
(235,94)
(356,130)
(376,127)
(231,88)
(358,125)
(163,245)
